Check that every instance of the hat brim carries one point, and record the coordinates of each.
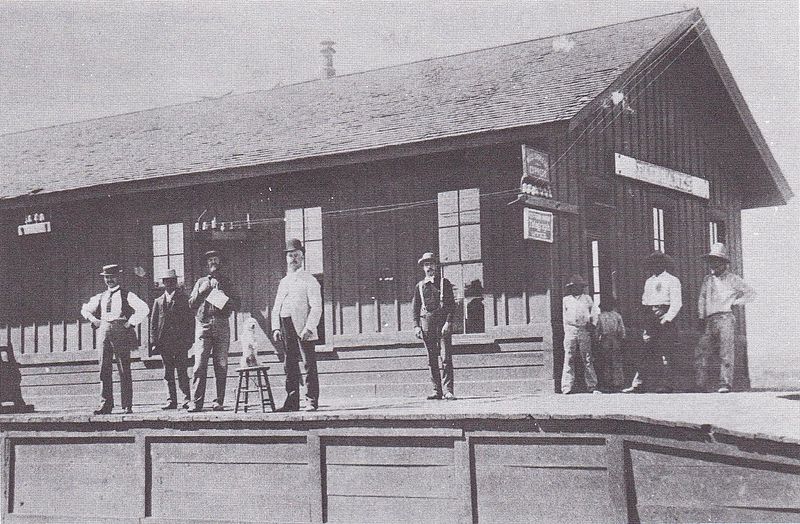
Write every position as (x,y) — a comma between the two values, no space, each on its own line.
(302,249)
(423,260)
(107,274)
(709,255)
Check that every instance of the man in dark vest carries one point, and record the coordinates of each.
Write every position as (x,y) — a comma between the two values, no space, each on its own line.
(213,298)
(114,313)
(171,336)
(433,306)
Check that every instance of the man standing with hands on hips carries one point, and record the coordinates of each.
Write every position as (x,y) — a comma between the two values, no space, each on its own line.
(433,306)
(114,313)
(214,298)
(295,316)
(721,290)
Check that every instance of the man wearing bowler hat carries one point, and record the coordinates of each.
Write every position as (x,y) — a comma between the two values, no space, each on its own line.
(662,299)
(171,336)
(213,298)
(433,306)
(295,316)
(721,290)
(114,313)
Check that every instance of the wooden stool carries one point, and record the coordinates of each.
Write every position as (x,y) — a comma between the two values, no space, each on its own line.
(260,384)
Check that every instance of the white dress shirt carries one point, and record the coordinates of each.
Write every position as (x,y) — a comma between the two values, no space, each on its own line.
(721,292)
(299,297)
(663,290)
(140,309)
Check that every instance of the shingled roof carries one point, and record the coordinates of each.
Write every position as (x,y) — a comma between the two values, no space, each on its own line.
(522,84)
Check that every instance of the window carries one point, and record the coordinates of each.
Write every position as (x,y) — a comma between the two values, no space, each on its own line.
(659,240)
(460,240)
(306,224)
(168,251)
(716,232)
(595,246)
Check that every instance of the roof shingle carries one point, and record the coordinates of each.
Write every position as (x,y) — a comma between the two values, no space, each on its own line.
(523,84)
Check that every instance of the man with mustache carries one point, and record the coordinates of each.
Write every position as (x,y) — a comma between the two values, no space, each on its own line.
(433,305)
(214,330)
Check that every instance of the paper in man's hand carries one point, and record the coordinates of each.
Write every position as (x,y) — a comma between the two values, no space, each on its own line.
(217,298)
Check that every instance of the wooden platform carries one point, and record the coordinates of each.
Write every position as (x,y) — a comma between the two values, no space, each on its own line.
(525,458)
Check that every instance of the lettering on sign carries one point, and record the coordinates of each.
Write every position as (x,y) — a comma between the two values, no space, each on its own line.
(535,164)
(538,225)
(661,176)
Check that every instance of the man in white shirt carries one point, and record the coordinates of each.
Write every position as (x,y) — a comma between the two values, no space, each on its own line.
(663,301)
(295,316)
(720,292)
(579,315)
(114,313)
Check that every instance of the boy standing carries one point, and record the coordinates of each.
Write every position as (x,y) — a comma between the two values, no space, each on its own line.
(609,333)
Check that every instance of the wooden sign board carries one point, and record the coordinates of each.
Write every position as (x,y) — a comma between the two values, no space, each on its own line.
(535,164)
(538,225)
(661,176)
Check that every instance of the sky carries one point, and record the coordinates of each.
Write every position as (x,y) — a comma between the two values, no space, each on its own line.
(70,61)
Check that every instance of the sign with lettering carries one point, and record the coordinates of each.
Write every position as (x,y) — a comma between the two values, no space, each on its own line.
(535,165)
(661,176)
(538,225)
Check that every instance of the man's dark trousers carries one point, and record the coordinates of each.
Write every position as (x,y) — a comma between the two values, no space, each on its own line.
(656,355)
(116,340)
(439,347)
(175,359)
(297,350)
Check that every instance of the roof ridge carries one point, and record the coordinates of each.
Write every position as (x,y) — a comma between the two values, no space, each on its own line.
(313,80)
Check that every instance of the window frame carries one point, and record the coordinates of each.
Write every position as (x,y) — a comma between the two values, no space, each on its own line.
(169,254)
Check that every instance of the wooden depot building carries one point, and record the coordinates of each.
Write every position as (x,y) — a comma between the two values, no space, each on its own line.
(519,165)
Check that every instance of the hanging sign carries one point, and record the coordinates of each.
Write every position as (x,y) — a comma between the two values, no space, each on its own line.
(661,176)
(538,225)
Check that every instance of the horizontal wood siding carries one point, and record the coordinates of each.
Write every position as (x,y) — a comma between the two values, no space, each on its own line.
(488,468)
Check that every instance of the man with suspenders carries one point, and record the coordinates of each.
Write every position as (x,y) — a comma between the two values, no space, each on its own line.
(114,313)
(433,305)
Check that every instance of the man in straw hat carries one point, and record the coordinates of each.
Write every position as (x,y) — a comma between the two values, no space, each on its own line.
(171,336)
(114,313)
(663,300)
(579,315)
(721,290)
(214,299)
(433,306)
(295,317)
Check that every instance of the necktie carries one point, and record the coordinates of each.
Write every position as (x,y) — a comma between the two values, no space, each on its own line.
(110,296)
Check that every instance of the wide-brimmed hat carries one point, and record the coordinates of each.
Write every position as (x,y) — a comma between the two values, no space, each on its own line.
(111,270)
(171,273)
(293,244)
(718,250)
(427,257)
(576,280)
(211,253)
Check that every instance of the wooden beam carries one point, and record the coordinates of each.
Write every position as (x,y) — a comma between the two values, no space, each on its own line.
(316,481)
(618,476)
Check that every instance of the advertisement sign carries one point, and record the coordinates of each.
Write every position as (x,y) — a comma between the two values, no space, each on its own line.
(538,225)
(535,165)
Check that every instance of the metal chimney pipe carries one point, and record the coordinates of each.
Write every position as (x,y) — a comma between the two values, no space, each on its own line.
(327,53)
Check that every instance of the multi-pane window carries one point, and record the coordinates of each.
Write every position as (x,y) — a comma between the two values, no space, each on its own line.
(659,239)
(716,232)
(168,250)
(305,224)
(595,245)
(460,240)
